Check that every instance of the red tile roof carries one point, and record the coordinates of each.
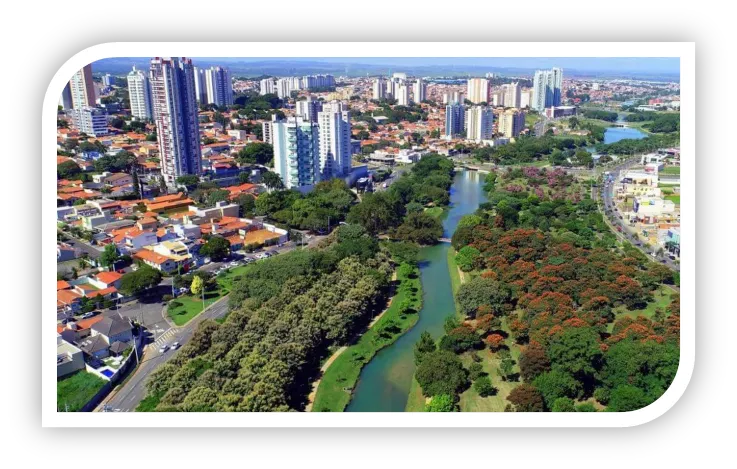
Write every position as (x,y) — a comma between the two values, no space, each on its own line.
(109,277)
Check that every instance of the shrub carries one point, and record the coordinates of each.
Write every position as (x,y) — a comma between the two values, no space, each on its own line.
(484,387)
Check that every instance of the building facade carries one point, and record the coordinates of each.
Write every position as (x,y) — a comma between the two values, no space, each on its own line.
(200,85)
(335,140)
(139,93)
(547,87)
(478,90)
(308,109)
(511,123)
(454,119)
(402,95)
(379,89)
(82,88)
(90,120)
(296,153)
(419,90)
(479,123)
(512,95)
(175,114)
(219,86)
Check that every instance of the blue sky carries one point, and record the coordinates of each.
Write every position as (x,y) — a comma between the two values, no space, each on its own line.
(633,64)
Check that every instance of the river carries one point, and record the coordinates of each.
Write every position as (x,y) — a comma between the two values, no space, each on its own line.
(384,383)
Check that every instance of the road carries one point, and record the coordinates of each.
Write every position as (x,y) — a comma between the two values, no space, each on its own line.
(92,251)
(616,219)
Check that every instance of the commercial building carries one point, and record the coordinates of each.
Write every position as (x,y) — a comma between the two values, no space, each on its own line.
(219,86)
(454,119)
(175,112)
(296,153)
(379,89)
(547,87)
(335,140)
(556,112)
(478,90)
(479,123)
(308,109)
(82,88)
(90,120)
(512,95)
(419,90)
(139,93)
(511,123)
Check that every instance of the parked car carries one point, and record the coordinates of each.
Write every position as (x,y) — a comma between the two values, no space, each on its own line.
(163,348)
(174,345)
(88,315)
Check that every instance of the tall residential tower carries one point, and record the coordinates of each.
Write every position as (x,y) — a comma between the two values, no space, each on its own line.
(139,93)
(82,88)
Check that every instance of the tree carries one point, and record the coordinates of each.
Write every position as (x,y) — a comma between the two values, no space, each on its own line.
(526,398)
(425,345)
(215,196)
(626,398)
(441,372)
(197,285)
(441,403)
(376,213)
(244,177)
(123,161)
(484,291)
(460,339)
(256,153)
(533,361)
(554,384)
(67,170)
(134,283)
(109,255)
(272,180)
(484,387)
(216,248)
(495,341)
(576,351)
(467,258)
(563,404)
(247,204)
(188,180)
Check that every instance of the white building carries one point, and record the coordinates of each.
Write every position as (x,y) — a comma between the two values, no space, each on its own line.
(82,88)
(406,156)
(139,93)
(219,86)
(200,85)
(478,90)
(297,153)
(511,123)
(175,113)
(548,86)
(526,98)
(402,95)
(90,120)
(379,89)
(453,97)
(308,109)
(267,129)
(419,90)
(479,123)
(512,95)
(268,86)
(335,140)
(284,87)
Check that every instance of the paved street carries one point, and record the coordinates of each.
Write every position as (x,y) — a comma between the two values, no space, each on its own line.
(92,251)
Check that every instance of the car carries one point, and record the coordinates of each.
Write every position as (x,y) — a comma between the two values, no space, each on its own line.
(88,315)
(234,264)
(183,290)
(174,345)
(163,348)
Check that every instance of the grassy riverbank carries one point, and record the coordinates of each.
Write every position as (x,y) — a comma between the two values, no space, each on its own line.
(336,385)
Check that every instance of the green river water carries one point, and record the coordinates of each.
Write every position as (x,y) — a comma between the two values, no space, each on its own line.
(384,383)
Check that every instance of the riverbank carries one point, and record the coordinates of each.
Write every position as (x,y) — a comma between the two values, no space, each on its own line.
(336,385)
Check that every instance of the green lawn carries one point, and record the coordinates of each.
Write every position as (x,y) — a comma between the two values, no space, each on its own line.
(415,401)
(455,276)
(331,395)
(436,212)
(676,199)
(471,401)
(672,170)
(74,391)
(661,299)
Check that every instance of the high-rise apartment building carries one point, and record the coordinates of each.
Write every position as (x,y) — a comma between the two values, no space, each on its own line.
(219,86)
(335,140)
(526,98)
(379,89)
(511,123)
(308,109)
(497,98)
(200,85)
(419,90)
(267,86)
(108,80)
(82,88)
(479,123)
(175,114)
(547,88)
(296,152)
(512,95)
(453,97)
(66,98)
(402,95)
(454,119)
(139,93)
(284,87)
(90,120)
(478,90)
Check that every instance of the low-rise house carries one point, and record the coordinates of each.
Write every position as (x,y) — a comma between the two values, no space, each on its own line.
(113,329)
(157,261)
(69,358)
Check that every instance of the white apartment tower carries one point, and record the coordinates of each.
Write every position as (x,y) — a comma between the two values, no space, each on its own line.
(267,86)
(402,96)
(478,90)
(335,140)
(219,86)
(512,95)
(90,120)
(82,88)
(175,114)
(419,89)
(511,123)
(526,98)
(200,85)
(479,123)
(547,88)
(308,109)
(139,93)
(379,89)
(296,152)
